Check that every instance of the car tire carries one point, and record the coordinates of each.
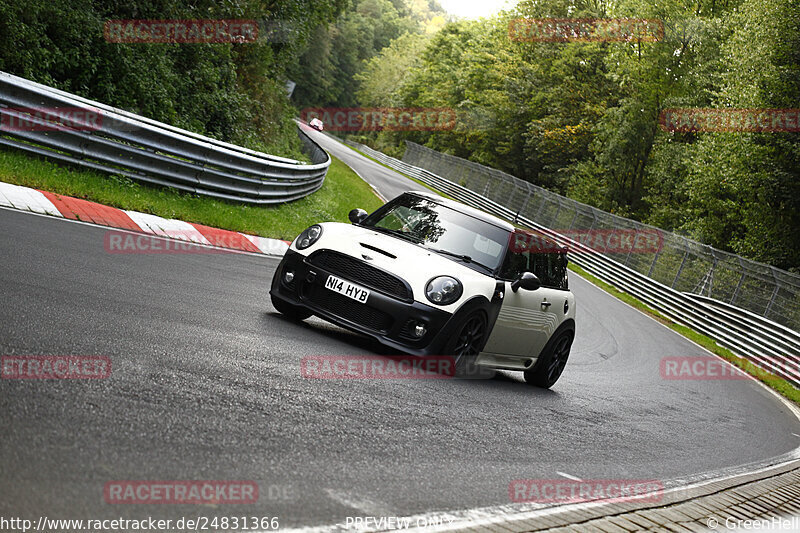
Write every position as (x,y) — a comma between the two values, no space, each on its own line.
(551,362)
(466,343)
(288,310)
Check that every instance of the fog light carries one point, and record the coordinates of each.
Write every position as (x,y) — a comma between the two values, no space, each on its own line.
(420,330)
(289,276)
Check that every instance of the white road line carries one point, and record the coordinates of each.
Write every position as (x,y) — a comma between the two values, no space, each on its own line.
(513,512)
(375,190)
(573,478)
(371,186)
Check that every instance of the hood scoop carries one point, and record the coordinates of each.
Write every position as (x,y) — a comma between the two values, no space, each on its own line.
(375,249)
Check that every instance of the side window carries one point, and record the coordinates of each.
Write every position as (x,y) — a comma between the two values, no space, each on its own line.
(515,263)
(550,268)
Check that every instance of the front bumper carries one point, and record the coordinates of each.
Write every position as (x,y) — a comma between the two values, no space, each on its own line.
(383,317)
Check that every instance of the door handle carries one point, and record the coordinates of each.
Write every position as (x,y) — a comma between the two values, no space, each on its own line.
(546,304)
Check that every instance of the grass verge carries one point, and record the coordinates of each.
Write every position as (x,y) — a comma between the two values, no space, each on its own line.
(778,384)
(342,191)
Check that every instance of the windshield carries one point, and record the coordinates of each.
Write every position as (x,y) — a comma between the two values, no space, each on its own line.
(452,233)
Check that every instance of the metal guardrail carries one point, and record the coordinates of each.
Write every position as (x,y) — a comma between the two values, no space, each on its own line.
(679,262)
(117,142)
(771,346)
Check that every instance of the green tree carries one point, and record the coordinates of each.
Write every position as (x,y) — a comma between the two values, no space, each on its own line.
(326,71)
(231,91)
(380,81)
(744,188)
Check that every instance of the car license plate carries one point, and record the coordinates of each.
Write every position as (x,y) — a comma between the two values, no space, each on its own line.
(341,286)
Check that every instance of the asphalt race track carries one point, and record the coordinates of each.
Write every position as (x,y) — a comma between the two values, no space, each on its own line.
(206,384)
(388,182)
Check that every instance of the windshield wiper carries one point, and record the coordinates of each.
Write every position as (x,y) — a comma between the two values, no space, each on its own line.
(465,258)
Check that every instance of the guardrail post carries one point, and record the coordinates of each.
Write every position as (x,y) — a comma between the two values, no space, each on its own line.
(772,299)
(628,257)
(511,198)
(774,291)
(558,212)
(652,265)
(739,285)
(574,218)
(680,268)
(539,211)
(522,208)
(486,188)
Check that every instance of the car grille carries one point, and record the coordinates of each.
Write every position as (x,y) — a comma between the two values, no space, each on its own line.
(361,273)
(349,309)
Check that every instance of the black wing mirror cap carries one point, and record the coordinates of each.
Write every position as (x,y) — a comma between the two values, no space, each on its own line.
(527,281)
(357,216)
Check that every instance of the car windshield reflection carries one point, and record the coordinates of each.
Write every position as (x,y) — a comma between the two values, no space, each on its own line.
(443,230)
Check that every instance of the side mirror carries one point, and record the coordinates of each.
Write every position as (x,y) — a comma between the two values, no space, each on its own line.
(357,216)
(527,281)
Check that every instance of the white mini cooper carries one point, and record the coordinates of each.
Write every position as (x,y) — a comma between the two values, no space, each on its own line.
(430,276)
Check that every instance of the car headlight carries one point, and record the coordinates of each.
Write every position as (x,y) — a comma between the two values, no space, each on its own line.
(309,237)
(444,290)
